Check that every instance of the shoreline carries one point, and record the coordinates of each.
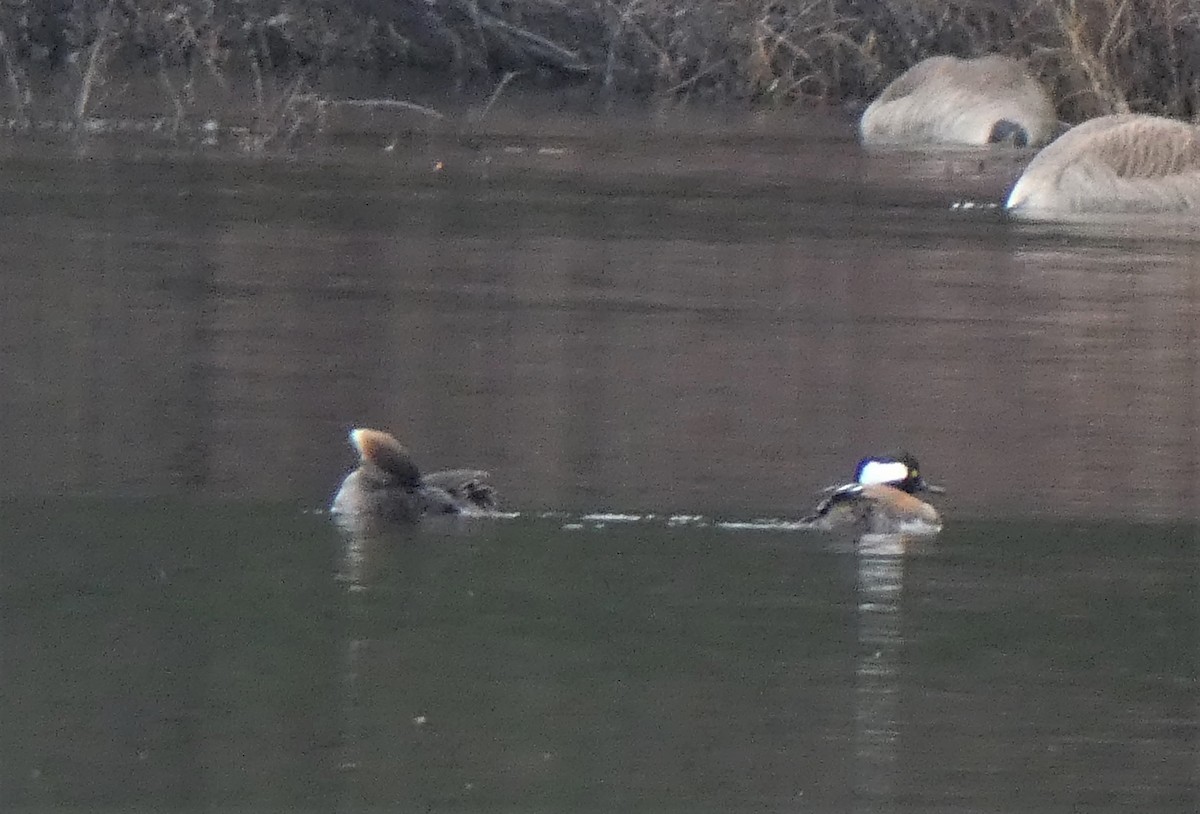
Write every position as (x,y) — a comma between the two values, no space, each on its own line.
(275,66)
(351,104)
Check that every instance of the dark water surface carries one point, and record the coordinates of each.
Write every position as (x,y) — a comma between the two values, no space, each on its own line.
(666,319)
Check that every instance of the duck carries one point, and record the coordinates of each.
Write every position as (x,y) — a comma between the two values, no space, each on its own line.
(992,99)
(388,486)
(1123,163)
(880,500)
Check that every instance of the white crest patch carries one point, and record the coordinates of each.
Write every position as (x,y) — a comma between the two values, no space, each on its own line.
(882,472)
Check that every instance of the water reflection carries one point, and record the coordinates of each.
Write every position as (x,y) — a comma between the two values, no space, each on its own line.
(877,683)
(174,657)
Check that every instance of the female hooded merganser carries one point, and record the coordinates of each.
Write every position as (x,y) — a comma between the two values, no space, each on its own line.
(388,486)
(880,499)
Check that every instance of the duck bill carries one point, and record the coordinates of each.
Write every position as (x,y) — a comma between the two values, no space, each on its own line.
(932,488)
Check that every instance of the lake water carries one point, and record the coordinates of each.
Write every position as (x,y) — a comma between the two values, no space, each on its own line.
(662,337)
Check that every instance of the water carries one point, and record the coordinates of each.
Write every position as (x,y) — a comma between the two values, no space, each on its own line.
(662,339)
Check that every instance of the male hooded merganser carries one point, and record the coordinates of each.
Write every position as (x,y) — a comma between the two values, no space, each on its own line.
(388,486)
(880,499)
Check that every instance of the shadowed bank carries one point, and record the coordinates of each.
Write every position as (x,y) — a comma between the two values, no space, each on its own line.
(279,77)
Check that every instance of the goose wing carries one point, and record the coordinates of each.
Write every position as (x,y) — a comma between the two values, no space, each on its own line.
(839,494)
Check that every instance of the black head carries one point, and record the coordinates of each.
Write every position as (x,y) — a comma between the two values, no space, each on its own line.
(900,471)
(1006,131)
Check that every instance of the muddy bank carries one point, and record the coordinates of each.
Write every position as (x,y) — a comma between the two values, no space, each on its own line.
(271,61)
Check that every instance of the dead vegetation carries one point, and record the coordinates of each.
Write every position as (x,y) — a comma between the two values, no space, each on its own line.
(266,60)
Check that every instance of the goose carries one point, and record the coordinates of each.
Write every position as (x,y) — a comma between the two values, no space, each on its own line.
(1125,162)
(970,102)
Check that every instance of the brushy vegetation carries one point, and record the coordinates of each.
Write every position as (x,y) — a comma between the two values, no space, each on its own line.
(267,57)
